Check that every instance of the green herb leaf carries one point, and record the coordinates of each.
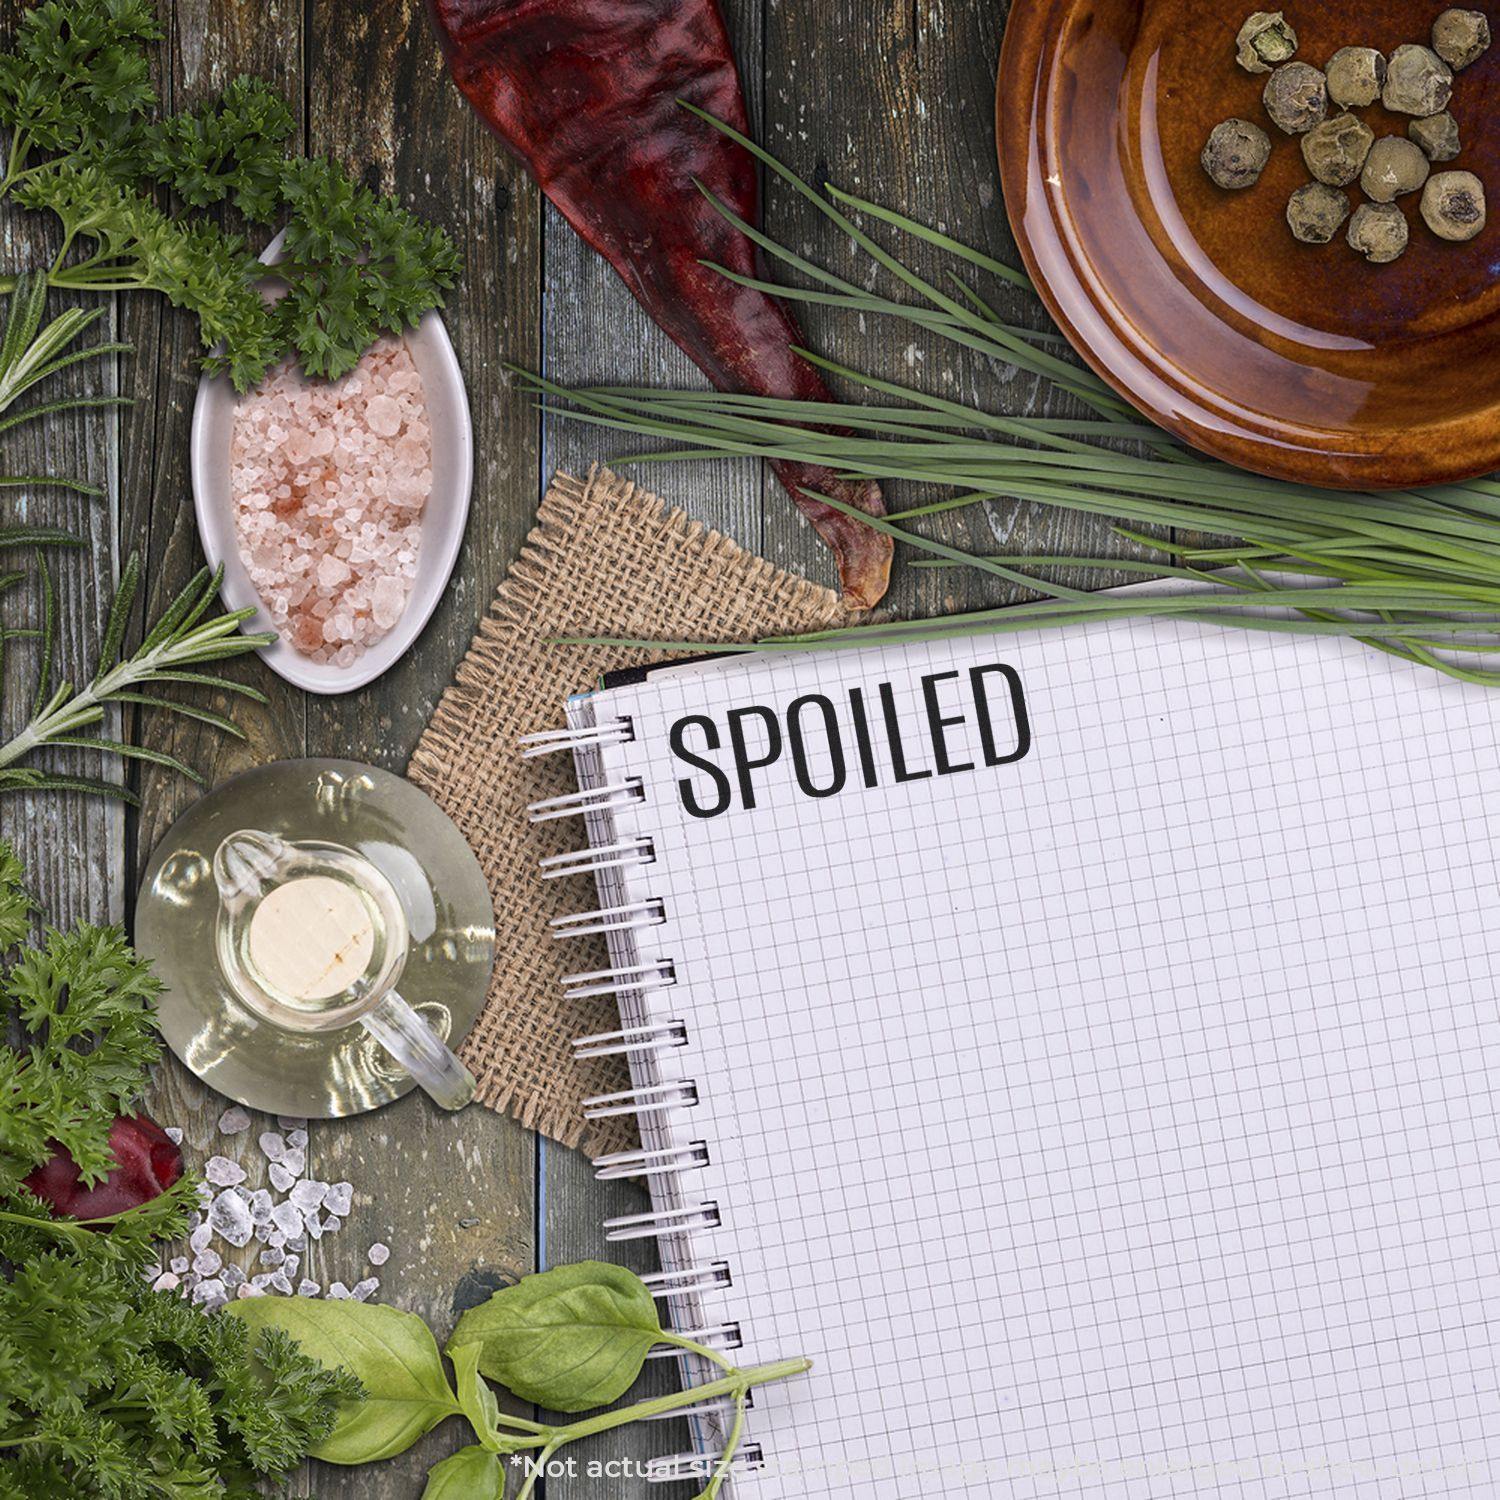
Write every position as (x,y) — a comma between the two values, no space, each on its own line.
(471,1474)
(476,1399)
(86,1003)
(568,1339)
(391,1353)
(75,91)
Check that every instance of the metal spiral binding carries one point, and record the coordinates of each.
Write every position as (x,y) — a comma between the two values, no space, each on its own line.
(551,741)
(713,1277)
(606,801)
(622,979)
(662,1222)
(652,1099)
(721,1336)
(596,799)
(701,1465)
(609,919)
(658,1036)
(637,851)
(620,1165)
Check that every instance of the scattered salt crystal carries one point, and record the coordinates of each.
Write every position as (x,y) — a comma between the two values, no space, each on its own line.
(315,465)
(287,1218)
(229,1218)
(207,1290)
(199,1238)
(178,1263)
(272,1257)
(340,1199)
(280,1282)
(364,1290)
(234,1121)
(295,1161)
(262,1281)
(208,1263)
(166,1282)
(263,1230)
(234,1276)
(247,1291)
(296,1243)
(379,1254)
(174,1134)
(308,1288)
(297,1138)
(222,1172)
(281,1176)
(338,1292)
(292,1265)
(308,1194)
(314,1227)
(205,1195)
(260,1206)
(332,1223)
(272,1146)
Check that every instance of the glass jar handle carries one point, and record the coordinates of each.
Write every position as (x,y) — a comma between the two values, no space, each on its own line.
(419,1049)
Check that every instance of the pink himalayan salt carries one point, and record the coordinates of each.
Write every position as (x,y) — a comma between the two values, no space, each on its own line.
(329,482)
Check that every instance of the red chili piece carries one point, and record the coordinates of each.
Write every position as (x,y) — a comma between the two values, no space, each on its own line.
(585,92)
(148,1164)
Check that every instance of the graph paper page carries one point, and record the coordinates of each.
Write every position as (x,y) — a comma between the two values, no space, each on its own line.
(1117,1119)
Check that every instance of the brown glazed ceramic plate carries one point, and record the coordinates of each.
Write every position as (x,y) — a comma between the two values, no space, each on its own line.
(1295,360)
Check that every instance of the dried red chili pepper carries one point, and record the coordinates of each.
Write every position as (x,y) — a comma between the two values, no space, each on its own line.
(148,1163)
(586,93)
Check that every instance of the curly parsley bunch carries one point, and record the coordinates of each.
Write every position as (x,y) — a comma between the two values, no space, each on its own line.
(87,144)
(108,1390)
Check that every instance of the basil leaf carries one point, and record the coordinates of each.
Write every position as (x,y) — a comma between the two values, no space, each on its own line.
(471,1474)
(394,1356)
(567,1339)
(476,1399)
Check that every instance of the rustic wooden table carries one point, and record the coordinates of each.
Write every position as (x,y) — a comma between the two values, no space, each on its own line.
(893,98)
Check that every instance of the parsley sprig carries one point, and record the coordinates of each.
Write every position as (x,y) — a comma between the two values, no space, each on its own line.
(87,144)
(108,1390)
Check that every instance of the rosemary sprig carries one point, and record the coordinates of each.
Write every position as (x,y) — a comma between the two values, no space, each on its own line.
(31,354)
(172,652)
(1413,573)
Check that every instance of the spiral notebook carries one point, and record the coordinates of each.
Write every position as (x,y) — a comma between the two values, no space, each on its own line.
(1082,1044)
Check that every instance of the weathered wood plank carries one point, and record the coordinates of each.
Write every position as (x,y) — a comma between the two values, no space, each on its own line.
(71,844)
(454,1196)
(895,101)
(594,333)
(206,45)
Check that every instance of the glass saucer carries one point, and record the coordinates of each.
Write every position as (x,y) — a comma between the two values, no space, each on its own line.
(397,828)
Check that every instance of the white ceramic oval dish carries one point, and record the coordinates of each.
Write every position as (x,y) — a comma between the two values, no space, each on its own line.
(443,519)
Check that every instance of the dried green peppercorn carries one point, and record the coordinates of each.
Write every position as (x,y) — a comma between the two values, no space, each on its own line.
(1453,205)
(1264,41)
(1460,37)
(1296,97)
(1394,167)
(1335,150)
(1356,76)
(1315,212)
(1379,232)
(1417,82)
(1437,135)
(1236,153)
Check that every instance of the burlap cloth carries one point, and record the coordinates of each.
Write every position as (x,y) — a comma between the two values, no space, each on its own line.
(605,558)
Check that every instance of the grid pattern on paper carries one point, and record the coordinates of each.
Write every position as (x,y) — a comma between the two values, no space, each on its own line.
(1120,1121)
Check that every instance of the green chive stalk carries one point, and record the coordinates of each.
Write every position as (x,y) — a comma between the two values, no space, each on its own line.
(1414,573)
